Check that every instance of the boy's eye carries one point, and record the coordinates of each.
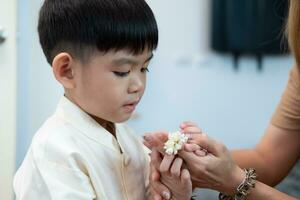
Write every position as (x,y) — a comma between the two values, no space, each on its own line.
(121,74)
(144,70)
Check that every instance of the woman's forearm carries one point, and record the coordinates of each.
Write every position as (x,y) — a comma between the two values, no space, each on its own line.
(271,160)
(252,159)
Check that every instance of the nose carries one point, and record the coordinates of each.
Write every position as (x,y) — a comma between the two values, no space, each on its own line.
(137,84)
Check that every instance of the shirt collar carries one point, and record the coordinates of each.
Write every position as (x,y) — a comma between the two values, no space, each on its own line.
(74,115)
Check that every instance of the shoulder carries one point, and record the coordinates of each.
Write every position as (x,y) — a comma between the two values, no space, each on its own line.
(57,142)
(287,113)
(294,78)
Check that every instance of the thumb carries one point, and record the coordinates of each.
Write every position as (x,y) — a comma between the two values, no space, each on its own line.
(156,140)
(188,157)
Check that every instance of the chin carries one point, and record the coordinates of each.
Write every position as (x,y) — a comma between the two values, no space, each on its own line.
(122,119)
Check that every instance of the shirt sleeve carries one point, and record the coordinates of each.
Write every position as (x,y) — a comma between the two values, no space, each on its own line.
(50,181)
(287,114)
(146,153)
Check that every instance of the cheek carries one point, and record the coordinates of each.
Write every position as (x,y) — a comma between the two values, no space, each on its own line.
(144,82)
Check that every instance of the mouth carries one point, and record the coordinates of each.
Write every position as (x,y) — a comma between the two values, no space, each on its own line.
(130,107)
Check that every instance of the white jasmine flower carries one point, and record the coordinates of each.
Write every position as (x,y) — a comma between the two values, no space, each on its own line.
(175,142)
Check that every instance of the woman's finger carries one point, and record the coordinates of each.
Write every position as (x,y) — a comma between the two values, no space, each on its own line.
(201,152)
(192,129)
(191,147)
(190,158)
(207,143)
(187,123)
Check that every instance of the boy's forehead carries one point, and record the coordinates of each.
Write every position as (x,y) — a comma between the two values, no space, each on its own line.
(127,56)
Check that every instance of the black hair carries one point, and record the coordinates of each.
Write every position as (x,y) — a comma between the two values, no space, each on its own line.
(80,27)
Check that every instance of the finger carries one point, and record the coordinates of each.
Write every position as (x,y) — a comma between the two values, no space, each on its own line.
(166,195)
(155,176)
(189,157)
(155,159)
(207,143)
(155,136)
(160,190)
(191,147)
(147,144)
(185,176)
(192,129)
(156,140)
(201,152)
(196,149)
(166,164)
(157,197)
(187,123)
(176,167)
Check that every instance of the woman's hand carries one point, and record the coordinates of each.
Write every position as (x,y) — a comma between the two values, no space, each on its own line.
(216,170)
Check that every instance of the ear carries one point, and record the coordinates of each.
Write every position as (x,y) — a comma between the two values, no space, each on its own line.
(63,69)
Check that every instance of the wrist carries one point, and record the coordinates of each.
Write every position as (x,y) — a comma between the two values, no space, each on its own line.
(244,188)
(237,178)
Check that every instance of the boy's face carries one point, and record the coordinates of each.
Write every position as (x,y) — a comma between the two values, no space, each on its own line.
(110,85)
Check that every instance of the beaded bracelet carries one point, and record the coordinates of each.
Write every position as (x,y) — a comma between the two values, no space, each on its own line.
(244,188)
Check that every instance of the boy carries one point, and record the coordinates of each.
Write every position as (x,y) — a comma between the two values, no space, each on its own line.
(99,51)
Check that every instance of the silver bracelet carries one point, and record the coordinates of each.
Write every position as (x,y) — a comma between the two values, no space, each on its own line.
(244,188)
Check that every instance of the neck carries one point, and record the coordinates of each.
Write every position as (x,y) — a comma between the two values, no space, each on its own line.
(109,126)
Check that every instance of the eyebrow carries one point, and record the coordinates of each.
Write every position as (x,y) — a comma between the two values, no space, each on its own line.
(130,61)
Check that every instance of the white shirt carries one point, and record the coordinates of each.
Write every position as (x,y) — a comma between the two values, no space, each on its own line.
(73,157)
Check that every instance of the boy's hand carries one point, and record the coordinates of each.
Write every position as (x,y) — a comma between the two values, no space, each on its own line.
(158,190)
(176,178)
(158,138)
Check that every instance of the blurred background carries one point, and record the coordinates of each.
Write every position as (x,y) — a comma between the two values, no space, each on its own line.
(220,63)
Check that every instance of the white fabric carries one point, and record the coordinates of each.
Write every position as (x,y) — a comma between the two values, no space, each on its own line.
(73,157)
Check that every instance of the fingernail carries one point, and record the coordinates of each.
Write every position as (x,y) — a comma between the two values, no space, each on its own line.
(165,195)
(189,135)
(157,197)
(147,138)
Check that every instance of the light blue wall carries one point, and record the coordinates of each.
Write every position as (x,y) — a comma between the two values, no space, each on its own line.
(189,82)
(37,92)
(186,80)
(234,107)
